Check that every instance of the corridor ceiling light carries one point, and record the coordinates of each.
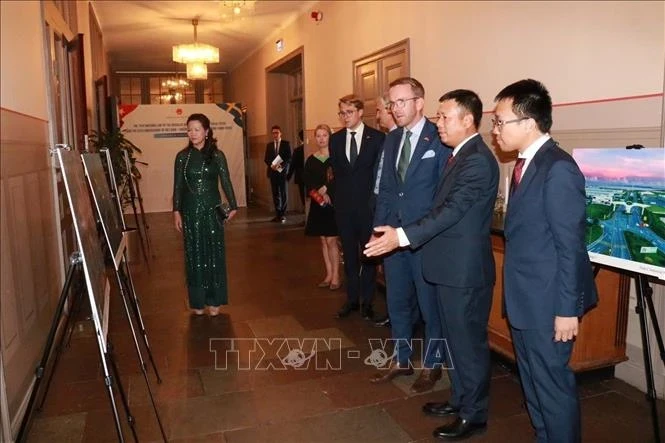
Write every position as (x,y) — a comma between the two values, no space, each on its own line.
(195,52)
(197,71)
(237,8)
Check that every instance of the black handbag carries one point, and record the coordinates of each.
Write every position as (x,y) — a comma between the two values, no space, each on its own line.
(222,212)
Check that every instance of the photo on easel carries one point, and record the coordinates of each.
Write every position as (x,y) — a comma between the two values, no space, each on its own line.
(88,240)
(106,206)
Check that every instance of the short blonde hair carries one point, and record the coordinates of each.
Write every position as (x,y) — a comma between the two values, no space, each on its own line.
(324,127)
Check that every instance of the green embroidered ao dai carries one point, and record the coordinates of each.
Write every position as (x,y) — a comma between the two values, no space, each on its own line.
(195,195)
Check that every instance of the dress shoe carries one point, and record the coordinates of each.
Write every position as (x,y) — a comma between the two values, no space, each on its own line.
(282,220)
(439,409)
(394,370)
(213,311)
(367,312)
(427,379)
(382,322)
(334,286)
(347,309)
(323,284)
(459,429)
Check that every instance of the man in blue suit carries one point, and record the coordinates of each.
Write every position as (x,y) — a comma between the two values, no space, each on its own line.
(457,257)
(412,165)
(548,279)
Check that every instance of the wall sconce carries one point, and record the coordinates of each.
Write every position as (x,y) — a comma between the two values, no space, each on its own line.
(317,16)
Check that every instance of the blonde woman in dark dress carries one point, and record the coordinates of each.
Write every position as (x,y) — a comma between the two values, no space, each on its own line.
(198,170)
(319,186)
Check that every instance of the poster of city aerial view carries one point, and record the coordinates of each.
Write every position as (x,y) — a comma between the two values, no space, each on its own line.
(625,226)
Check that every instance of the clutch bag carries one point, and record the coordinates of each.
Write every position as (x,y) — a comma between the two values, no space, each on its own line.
(222,212)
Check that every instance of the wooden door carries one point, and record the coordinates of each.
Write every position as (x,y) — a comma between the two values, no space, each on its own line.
(373,73)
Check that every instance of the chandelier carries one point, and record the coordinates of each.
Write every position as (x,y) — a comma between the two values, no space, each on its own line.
(195,56)
(237,8)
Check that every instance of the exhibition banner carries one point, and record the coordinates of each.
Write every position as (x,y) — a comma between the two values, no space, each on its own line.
(160,131)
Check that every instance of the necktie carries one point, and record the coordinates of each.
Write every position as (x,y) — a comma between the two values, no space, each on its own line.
(404,157)
(517,174)
(353,152)
(451,160)
(276,149)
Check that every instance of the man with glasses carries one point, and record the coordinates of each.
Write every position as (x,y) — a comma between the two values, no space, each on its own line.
(386,122)
(548,279)
(354,151)
(413,163)
(457,257)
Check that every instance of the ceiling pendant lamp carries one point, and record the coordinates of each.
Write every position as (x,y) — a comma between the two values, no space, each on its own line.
(195,52)
(197,71)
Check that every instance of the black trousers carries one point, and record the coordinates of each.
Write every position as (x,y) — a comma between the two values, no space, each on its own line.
(360,271)
(278,186)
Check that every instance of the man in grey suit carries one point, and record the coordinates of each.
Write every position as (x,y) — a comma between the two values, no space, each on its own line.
(457,257)
(548,279)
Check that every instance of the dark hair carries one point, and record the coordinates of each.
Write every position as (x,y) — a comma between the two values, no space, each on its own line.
(531,100)
(301,135)
(210,142)
(352,100)
(416,87)
(468,101)
(276,127)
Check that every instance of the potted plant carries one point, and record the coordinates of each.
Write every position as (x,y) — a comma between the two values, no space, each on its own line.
(117,144)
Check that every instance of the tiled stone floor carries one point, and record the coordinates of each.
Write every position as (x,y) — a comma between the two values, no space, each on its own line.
(209,395)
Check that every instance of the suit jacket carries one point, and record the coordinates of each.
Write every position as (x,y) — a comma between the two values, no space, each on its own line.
(284,152)
(403,202)
(354,184)
(455,235)
(297,165)
(547,271)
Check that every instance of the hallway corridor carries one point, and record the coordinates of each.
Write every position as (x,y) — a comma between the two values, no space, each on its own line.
(208,395)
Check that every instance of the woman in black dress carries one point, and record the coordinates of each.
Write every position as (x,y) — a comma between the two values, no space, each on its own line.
(319,184)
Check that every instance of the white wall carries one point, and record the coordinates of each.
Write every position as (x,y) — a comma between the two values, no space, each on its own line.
(581,51)
(23,79)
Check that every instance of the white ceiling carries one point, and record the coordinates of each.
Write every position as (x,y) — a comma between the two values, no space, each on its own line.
(139,35)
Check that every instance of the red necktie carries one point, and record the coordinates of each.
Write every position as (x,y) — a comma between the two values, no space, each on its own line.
(451,160)
(517,173)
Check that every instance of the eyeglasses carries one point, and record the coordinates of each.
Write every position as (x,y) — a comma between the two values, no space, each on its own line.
(500,123)
(399,103)
(343,114)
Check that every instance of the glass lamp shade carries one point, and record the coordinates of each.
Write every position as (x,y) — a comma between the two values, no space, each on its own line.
(195,53)
(197,71)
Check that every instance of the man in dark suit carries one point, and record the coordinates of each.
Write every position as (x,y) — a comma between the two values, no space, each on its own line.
(354,151)
(548,279)
(297,167)
(457,258)
(386,122)
(408,183)
(277,172)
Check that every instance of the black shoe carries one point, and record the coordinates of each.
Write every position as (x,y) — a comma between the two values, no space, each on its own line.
(367,312)
(347,309)
(382,322)
(439,409)
(459,429)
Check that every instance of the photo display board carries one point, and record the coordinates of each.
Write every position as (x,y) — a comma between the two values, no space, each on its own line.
(625,189)
(106,205)
(87,238)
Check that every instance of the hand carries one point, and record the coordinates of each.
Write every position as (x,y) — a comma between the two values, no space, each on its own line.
(177,220)
(383,240)
(565,328)
(326,198)
(232,214)
(322,190)
(273,167)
